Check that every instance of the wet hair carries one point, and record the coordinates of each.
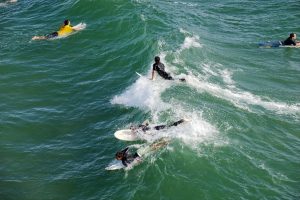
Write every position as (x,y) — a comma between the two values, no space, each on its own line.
(119,155)
(292,35)
(66,22)
(157,58)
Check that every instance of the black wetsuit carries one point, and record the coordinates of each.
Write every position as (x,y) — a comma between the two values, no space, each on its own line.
(128,158)
(144,127)
(164,126)
(289,41)
(52,35)
(159,127)
(160,68)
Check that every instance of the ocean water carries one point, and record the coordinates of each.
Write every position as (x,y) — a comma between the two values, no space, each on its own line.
(61,100)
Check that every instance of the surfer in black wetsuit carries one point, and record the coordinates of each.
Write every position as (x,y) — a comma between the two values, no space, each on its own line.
(145,126)
(126,157)
(291,41)
(160,68)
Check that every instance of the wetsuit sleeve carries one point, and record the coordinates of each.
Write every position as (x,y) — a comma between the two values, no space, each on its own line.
(124,162)
(154,67)
(136,155)
(289,41)
(178,122)
(125,151)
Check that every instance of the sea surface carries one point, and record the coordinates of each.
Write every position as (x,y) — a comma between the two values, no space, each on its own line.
(62,100)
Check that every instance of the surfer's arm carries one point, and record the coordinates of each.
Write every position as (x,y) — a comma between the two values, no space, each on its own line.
(153,75)
(125,151)
(124,163)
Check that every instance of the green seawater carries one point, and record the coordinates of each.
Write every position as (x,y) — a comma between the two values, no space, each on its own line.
(62,100)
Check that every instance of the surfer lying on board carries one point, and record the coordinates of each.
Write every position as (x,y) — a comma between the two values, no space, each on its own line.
(145,126)
(127,158)
(291,41)
(64,30)
(160,68)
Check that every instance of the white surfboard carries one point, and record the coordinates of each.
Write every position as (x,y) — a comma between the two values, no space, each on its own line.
(80,26)
(115,165)
(139,74)
(290,46)
(127,135)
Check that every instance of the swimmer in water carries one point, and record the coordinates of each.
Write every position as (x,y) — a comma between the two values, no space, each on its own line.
(65,29)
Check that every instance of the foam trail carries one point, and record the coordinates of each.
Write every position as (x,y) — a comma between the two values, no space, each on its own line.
(242,99)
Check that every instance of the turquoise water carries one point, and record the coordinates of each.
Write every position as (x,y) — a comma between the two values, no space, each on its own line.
(62,100)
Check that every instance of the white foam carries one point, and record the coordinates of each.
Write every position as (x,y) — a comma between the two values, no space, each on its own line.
(143,18)
(227,76)
(186,4)
(191,42)
(7,2)
(242,99)
(144,94)
(191,133)
(208,70)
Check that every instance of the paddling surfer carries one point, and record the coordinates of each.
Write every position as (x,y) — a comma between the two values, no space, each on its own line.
(128,159)
(64,30)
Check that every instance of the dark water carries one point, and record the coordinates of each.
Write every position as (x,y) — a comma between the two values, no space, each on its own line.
(62,100)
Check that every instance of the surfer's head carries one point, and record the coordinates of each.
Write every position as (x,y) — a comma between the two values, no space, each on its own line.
(119,155)
(67,22)
(293,35)
(157,59)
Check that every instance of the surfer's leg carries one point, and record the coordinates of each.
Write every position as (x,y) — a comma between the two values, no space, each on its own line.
(168,77)
(45,37)
(52,35)
(178,122)
(159,127)
(165,75)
